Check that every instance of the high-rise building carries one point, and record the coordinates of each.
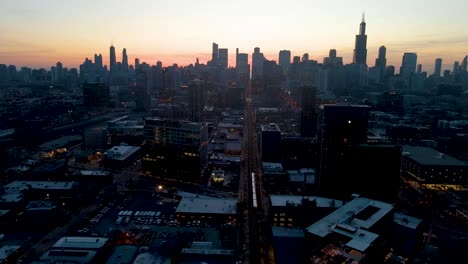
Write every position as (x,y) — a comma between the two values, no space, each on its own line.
(214,54)
(438,67)
(305,57)
(243,68)
(98,61)
(360,46)
(408,65)
(113,59)
(308,113)
(196,100)
(270,143)
(59,72)
(419,68)
(137,63)
(284,59)
(257,64)
(381,61)
(464,64)
(124,60)
(223,58)
(456,67)
(332,59)
(296,59)
(174,149)
(339,128)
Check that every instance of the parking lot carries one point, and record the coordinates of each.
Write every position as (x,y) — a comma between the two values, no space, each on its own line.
(146,218)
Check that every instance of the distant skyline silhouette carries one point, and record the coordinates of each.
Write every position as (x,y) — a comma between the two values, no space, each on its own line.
(40,33)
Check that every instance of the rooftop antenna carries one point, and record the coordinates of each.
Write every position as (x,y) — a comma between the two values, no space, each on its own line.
(363,16)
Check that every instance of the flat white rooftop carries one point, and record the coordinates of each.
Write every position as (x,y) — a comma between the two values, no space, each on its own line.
(282,200)
(406,220)
(207,206)
(80,242)
(353,220)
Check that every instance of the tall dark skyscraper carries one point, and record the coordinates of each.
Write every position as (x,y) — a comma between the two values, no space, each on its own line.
(381,61)
(360,47)
(257,64)
(214,53)
(196,97)
(408,65)
(98,61)
(419,68)
(339,128)
(284,59)
(223,58)
(113,60)
(308,114)
(137,63)
(124,60)
(242,67)
(464,64)
(456,67)
(438,67)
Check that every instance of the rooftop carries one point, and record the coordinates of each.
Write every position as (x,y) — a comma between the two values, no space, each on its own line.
(94,172)
(7,250)
(208,251)
(282,200)
(4,212)
(351,219)
(287,232)
(60,142)
(40,205)
(207,206)
(270,127)
(192,195)
(122,254)
(121,152)
(69,256)
(80,242)
(38,185)
(430,157)
(406,220)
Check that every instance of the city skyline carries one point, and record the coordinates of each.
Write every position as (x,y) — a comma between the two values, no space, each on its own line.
(179,32)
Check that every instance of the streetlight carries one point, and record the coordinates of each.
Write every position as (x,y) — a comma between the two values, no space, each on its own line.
(160,187)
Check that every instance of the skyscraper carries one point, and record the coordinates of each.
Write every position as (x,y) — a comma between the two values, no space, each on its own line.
(308,114)
(284,59)
(339,127)
(305,57)
(456,67)
(223,58)
(98,61)
(214,54)
(257,64)
(174,149)
(438,67)
(464,64)
(408,65)
(360,47)
(243,68)
(419,68)
(137,63)
(195,96)
(381,61)
(59,68)
(124,60)
(113,60)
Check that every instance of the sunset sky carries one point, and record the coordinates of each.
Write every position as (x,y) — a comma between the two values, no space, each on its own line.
(40,33)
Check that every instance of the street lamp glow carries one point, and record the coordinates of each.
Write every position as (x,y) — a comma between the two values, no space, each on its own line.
(160,187)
